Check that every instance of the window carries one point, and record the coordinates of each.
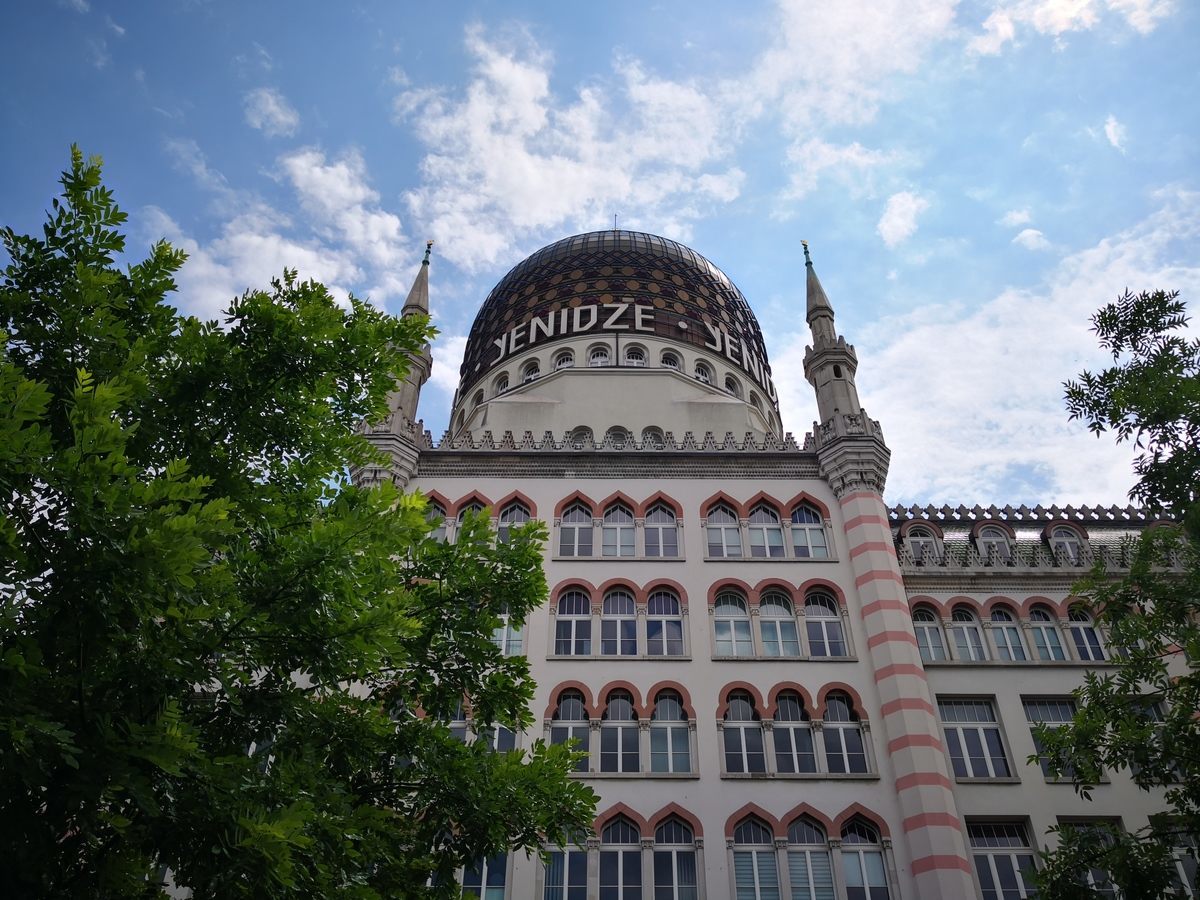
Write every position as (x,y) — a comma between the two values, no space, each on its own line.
(661,530)
(732,386)
(566,875)
(809,868)
(704,373)
(808,533)
(743,736)
(994,547)
(598,356)
(967,635)
(581,437)
(724,537)
(766,532)
(674,861)
(929,635)
(620,861)
(485,878)
(794,751)
(458,724)
(516,513)
(755,401)
(1186,876)
(531,371)
(575,531)
(1097,879)
(923,546)
(862,862)
(564,360)
(777,624)
(635,356)
(477,399)
(1003,859)
(570,723)
(664,625)
(844,748)
(617,437)
(823,625)
(619,735)
(573,626)
(670,749)
(618,530)
(1006,635)
(508,636)
(1044,632)
(500,385)
(755,874)
(498,738)
(1051,712)
(731,626)
(1085,636)
(652,438)
(973,739)
(618,624)
(670,361)
(1066,546)
(435,515)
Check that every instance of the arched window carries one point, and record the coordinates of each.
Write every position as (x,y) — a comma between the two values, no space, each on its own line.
(598,356)
(743,735)
(704,373)
(435,515)
(1067,548)
(620,861)
(929,635)
(674,861)
(514,514)
(777,625)
(794,751)
(564,360)
(766,532)
(994,547)
(662,531)
(618,530)
(808,533)
(485,878)
(664,625)
(670,750)
(500,385)
(823,625)
(573,625)
(619,734)
(1006,635)
(732,386)
(477,399)
(724,535)
(635,356)
(570,723)
(670,361)
(459,421)
(844,748)
(581,437)
(731,625)
(968,638)
(474,509)
(1043,629)
(508,635)
(755,875)
(458,723)
(923,546)
(575,531)
(755,401)
(618,624)
(808,861)
(652,438)
(531,371)
(617,437)
(1088,644)
(863,868)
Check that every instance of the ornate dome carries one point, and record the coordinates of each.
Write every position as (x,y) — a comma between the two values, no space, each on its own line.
(615,282)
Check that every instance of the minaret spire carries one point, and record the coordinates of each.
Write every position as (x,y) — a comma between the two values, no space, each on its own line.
(418,295)
(820,312)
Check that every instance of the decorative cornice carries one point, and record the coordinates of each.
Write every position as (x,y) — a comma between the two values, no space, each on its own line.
(508,442)
(852,453)
(963,515)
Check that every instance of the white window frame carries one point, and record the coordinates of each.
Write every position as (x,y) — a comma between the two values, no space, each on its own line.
(1006,636)
(756,858)
(997,849)
(861,851)
(1047,637)
(789,734)
(674,731)
(834,731)
(971,727)
(675,852)
(729,533)
(581,532)
(764,529)
(618,536)
(805,530)
(805,881)
(1086,638)
(622,621)
(664,620)
(823,626)
(566,889)
(730,629)
(928,629)
(579,633)
(967,635)
(778,629)
(742,728)
(621,846)
(620,728)
(660,530)
(562,731)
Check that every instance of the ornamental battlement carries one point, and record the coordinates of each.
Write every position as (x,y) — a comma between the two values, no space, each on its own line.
(964,515)
(573,442)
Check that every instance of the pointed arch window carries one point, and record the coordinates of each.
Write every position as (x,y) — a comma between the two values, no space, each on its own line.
(755,874)
(808,533)
(620,861)
(435,515)
(661,530)
(618,530)
(664,624)
(1006,635)
(743,736)
(967,635)
(1043,629)
(619,734)
(513,515)
(777,625)
(809,867)
(570,723)
(618,624)
(863,867)
(575,531)
(994,547)
(670,744)
(794,750)
(766,532)
(724,534)
(1088,644)
(929,635)
(731,625)
(823,625)
(845,751)
(573,624)
(674,861)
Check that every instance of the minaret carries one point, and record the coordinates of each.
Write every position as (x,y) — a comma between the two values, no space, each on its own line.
(398,434)
(854,460)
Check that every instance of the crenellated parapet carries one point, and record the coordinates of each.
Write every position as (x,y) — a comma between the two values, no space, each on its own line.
(851,451)
(688,442)
(958,515)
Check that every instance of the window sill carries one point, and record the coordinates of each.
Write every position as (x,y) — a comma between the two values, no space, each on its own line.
(1026,663)
(771,559)
(641,657)
(656,559)
(785,659)
(638,776)
(1010,780)
(800,776)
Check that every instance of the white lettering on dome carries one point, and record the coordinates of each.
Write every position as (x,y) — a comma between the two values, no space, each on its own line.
(578,324)
(611,321)
(716,338)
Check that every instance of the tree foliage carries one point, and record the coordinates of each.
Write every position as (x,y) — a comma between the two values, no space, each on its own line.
(217,656)
(1141,716)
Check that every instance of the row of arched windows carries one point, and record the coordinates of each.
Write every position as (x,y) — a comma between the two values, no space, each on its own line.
(995,545)
(1006,637)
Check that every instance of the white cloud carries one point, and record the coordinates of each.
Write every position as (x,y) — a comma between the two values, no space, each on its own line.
(80,6)
(1056,18)
(899,219)
(853,164)
(269,111)
(118,30)
(99,50)
(1115,132)
(1031,239)
(1015,217)
(448,350)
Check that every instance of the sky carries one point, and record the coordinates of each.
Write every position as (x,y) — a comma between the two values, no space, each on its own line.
(974,177)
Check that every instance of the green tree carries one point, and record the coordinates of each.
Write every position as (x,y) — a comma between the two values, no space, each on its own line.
(217,655)
(1141,717)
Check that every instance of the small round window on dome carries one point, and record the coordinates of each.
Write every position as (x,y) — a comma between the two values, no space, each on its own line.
(564,360)
(635,356)
(670,361)
(531,371)
(598,356)
(704,373)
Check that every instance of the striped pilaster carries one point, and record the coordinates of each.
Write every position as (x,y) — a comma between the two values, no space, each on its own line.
(931,826)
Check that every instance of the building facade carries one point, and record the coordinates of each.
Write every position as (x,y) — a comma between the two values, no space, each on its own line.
(786,689)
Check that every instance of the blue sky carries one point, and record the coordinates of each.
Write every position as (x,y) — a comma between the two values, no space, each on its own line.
(975,177)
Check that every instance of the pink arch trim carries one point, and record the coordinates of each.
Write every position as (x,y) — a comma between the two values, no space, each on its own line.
(753,809)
